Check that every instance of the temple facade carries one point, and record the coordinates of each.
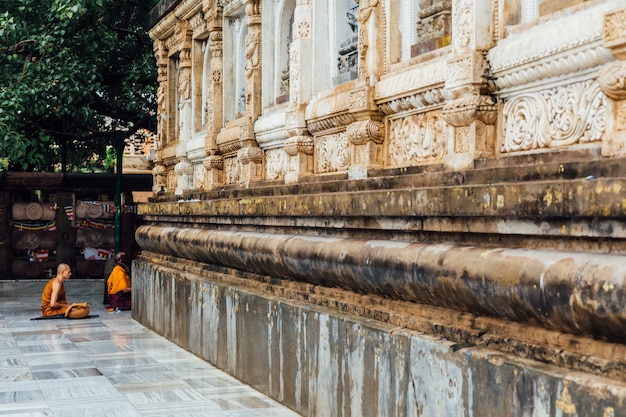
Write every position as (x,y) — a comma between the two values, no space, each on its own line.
(393,207)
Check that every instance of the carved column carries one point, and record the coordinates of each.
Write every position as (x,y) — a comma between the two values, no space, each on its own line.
(185,116)
(471,111)
(184,35)
(299,146)
(613,81)
(251,166)
(366,133)
(214,162)
(162,59)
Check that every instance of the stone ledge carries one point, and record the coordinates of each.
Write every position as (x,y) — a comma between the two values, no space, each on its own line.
(461,329)
(316,358)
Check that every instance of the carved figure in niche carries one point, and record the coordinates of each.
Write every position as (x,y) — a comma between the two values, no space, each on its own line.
(242,100)
(185,83)
(352,22)
(252,53)
(369,54)
(348,48)
(162,115)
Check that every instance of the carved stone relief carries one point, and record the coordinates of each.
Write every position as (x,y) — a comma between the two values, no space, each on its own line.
(332,153)
(416,138)
(276,164)
(558,117)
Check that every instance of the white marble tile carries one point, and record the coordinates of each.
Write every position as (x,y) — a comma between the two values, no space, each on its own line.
(110,366)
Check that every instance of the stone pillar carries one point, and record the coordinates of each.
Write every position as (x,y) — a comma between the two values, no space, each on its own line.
(366,133)
(184,34)
(162,59)
(185,115)
(161,56)
(471,111)
(613,81)
(251,164)
(214,162)
(299,146)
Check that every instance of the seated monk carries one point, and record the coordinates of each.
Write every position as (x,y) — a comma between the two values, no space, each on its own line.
(118,285)
(53,301)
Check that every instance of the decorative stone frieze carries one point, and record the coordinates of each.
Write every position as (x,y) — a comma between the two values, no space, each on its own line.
(566,48)
(562,116)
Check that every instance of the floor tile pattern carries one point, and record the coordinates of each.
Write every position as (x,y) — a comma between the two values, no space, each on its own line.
(110,366)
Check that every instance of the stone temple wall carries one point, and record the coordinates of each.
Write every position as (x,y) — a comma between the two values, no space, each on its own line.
(394,207)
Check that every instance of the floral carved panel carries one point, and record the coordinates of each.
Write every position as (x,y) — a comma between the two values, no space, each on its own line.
(416,138)
(562,116)
(332,153)
(232,170)
(275,164)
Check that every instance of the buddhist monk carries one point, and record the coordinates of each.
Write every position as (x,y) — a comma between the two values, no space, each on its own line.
(53,301)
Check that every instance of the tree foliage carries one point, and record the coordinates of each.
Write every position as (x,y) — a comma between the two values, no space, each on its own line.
(72,73)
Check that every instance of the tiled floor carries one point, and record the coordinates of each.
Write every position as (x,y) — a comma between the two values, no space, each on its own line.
(110,366)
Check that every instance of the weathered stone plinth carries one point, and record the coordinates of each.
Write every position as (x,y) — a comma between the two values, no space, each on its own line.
(321,361)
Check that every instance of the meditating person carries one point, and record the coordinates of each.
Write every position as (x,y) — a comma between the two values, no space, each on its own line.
(53,301)
(118,284)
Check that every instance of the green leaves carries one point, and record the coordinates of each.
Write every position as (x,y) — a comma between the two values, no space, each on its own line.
(71,72)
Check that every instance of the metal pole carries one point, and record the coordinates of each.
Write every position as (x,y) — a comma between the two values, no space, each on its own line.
(119,152)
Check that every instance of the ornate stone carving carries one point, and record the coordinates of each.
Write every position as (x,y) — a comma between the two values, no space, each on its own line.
(416,138)
(296,144)
(250,154)
(363,131)
(294,74)
(465,110)
(275,164)
(332,153)
(463,18)
(252,52)
(613,80)
(232,170)
(213,162)
(159,172)
(370,65)
(563,48)
(614,33)
(303,29)
(425,76)
(329,123)
(419,101)
(561,116)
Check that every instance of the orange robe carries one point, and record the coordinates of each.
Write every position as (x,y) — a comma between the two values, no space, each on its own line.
(46,298)
(118,280)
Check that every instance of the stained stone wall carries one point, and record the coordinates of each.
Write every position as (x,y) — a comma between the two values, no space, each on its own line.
(393,207)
